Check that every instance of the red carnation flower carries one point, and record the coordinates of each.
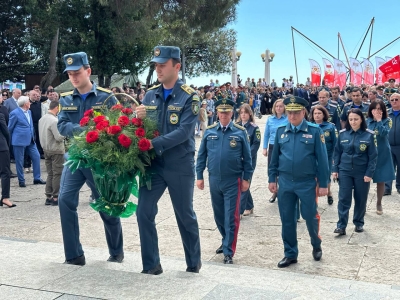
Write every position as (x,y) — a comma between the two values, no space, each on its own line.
(102,125)
(88,113)
(140,132)
(84,121)
(127,111)
(92,136)
(99,119)
(144,144)
(137,122)
(114,129)
(156,133)
(117,107)
(124,140)
(123,121)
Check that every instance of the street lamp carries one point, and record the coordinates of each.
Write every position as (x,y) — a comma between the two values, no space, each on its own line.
(267,57)
(235,58)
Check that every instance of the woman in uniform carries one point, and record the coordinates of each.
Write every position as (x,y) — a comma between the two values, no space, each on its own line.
(354,162)
(380,124)
(319,115)
(246,119)
(277,119)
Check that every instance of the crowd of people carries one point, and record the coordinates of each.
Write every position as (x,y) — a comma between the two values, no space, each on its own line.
(313,134)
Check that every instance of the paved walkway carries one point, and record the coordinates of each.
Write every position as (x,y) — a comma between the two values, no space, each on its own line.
(356,266)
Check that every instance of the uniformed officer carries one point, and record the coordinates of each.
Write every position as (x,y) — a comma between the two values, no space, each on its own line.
(222,93)
(226,151)
(319,115)
(391,89)
(335,99)
(85,96)
(300,159)
(354,162)
(246,119)
(356,97)
(323,100)
(240,100)
(175,107)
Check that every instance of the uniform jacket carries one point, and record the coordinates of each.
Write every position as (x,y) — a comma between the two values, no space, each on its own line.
(73,108)
(331,135)
(4,111)
(51,140)
(301,155)
(253,131)
(176,118)
(21,131)
(363,107)
(394,133)
(355,151)
(11,104)
(4,134)
(227,155)
(333,113)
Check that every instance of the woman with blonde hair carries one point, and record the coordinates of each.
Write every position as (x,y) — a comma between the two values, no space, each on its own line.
(277,119)
(246,119)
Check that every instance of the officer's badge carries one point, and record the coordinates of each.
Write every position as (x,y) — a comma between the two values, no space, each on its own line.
(195,107)
(390,123)
(233,143)
(157,52)
(70,61)
(329,119)
(327,133)
(322,138)
(224,101)
(173,119)
(363,147)
(292,99)
(258,134)
(282,136)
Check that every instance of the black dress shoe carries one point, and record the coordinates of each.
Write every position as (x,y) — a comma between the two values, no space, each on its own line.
(39,181)
(78,261)
(13,175)
(341,231)
(272,199)
(359,229)
(157,270)
(387,192)
(219,250)
(195,269)
(48,201)
(22,184)
(286,262)
(330,200)
(1,204)
(116,258)
(228,260)
(317,254)
(54,202)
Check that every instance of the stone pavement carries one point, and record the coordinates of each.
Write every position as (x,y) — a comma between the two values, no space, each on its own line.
(356,266)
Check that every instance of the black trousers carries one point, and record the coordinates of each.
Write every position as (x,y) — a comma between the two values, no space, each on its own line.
(5,173)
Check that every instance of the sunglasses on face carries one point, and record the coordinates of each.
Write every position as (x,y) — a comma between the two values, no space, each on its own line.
(393,100)
(5,95)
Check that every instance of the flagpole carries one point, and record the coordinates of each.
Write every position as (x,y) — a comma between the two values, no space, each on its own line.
(370,40)
(295,61)
(385,46)
(365,36)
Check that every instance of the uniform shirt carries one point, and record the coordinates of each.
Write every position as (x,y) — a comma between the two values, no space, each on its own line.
(355,151)
(270,129)
(227,155)
(176,118)
(301,155)
(363,107)
(394,133)
(254,134)
(73,108)
(241,98)
(333,113)
(331,135)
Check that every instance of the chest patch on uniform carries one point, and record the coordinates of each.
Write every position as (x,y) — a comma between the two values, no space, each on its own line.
(97,106)
(307,136)
(363,147)
(175,108)
(282,136)
(70,108)
(327,133)
(258,134)
(173,118)
(233,143)
(151,107)
(322,138)
(195,107)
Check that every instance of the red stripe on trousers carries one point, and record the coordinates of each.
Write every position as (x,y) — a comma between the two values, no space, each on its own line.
(237,219)
(317,216)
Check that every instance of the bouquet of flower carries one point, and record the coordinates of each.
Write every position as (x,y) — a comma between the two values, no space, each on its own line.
(115,145)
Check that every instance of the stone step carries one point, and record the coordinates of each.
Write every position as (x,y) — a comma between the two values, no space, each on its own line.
(34,270)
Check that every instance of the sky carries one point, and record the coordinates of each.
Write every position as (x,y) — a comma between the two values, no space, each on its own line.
(266,24)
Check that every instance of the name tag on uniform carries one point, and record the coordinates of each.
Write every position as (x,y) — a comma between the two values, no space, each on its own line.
(344,141)
(307,136)
(234,137)
(70,108)
(212,137)
(98,106)
(174,108)
(151,107)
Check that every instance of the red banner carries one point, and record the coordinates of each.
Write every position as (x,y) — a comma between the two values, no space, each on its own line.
(368,72)
(356,72)
(391,69)
(329,77)
(379,75)
(315,73)
(340,73)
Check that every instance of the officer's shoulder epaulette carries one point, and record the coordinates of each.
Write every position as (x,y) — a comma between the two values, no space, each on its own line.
(154,87)
(315,103)
(312,125)
(348,104)
(343,130)
(212,126)
(187,89)
(66,93)
(253,124)
(334,101)
(333,105)
(370,131)
(103,89)
(332,123)
(238,126)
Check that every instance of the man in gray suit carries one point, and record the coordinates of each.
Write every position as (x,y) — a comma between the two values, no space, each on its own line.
(11,103)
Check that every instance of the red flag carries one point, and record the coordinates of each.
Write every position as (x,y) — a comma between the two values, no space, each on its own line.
(379,75)
(356,72)
(340,73)
(368,72)
(391,69)
(315,73)
(329,76)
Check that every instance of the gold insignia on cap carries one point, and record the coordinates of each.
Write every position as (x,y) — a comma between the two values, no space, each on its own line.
(363,147)
(70,60)
(223,101)
(157,52)
(293,99)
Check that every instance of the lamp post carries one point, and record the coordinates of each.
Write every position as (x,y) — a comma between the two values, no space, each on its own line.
(267,57)
(235,58)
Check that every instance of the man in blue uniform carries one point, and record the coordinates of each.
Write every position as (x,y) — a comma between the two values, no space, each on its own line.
(300,159)
(175,107)
(226,147)
(323,99)
(85,96)
(356,102)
